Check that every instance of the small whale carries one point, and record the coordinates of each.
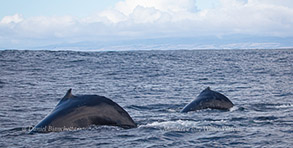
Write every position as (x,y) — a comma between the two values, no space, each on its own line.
(209,99)
(77,112)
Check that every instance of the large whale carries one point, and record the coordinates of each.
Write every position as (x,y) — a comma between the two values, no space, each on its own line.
(76,112)
(209,99)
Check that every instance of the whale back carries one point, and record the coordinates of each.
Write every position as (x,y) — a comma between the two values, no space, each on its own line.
(75,112)
(209,99)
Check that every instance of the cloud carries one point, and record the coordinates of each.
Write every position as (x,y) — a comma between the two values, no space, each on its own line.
(12,19)
(127,7)
(139,19)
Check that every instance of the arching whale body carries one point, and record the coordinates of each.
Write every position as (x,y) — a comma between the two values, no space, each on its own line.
(75,112)
(209,99)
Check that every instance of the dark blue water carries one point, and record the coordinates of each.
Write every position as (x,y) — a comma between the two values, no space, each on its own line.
(152,86)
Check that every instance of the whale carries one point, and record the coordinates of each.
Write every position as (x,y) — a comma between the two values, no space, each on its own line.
(208,99)
(83,111)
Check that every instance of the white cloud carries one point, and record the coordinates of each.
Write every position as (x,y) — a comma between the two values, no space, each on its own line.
(127,7)
(113,16)
(137,19)
(12,19)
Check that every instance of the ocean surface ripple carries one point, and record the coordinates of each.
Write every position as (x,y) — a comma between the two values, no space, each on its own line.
(152,86)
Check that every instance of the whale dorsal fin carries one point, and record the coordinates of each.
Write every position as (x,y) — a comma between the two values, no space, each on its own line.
(68,94)
(208,88)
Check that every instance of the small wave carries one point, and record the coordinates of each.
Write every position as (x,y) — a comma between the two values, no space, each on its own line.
(214,121)
(237,108)
(238,119)
(15,131)
(137,107)
(157,107)
(2,84)
(264,119)
(178,125)
(77,61)
(270,106)
(234,108)
(187,126)
(284,94)
(171,110)
(284,106)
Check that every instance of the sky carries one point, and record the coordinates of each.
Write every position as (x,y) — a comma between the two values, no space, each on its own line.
(97,23)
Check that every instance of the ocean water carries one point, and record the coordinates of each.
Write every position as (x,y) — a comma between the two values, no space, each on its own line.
(152,86)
